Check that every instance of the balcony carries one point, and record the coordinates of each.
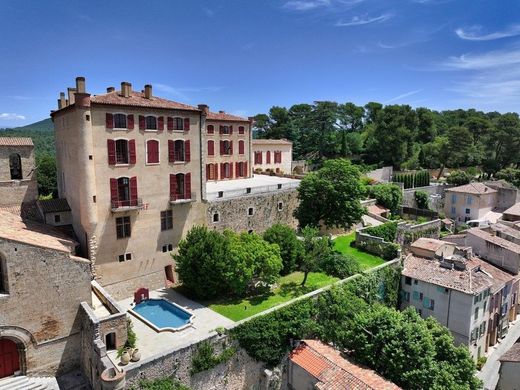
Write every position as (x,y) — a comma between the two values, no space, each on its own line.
(120,206)
(180,199)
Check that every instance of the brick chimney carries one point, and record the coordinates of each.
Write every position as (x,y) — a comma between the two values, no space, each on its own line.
(204,108)
(80,84)
(110,89)
(70,93)
(62,103)
(148,91)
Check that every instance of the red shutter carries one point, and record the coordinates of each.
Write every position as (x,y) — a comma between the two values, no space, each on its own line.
(221,147)
(161,123)
(142,122)
(187,186)
(171,151)
(133,191)
(207,171)
(246,173)
(170,123)
(130,122)
(230,147)
(240,147)
(109,121)
(186,124)
(221,129)
(279,157)
(237,170)
(211,148)
(231,170)
(230,130)
(113,192)
(152,151)
(268,157)
(222,171)
(131,151)
(111,146)
(173,186)
(211,129)
(187,154)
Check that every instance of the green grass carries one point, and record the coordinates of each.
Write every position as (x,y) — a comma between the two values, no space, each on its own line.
(288,288)
(366,260)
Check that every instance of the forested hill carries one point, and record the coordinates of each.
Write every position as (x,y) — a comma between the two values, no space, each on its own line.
(41,133)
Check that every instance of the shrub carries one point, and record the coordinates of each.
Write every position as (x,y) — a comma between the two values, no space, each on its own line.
(387,195)
(480,362)
(421,198)
(205,359)
(161,384)
(386,231)
(390,251)
(340,266)
(291,249)
(459,178)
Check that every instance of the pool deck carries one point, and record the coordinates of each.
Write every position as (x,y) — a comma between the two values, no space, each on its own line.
(151,343)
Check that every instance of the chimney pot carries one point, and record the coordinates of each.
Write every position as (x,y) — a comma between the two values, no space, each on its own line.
(111,89)
(126,89)
(71,92)
(204,108)
(61,101)
(148,91)
(221,111)
(80,84)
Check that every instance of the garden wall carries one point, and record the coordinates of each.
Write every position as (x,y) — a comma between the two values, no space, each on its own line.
(374,245)
(408,233)
(436,205)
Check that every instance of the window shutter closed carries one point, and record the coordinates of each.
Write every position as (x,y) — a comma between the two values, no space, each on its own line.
(113,192)
(231,170)
(240,147)
(222,171)
(211,148)
(130,122)
(142,122)
(279,157)
(236,169)
(211,129)
(186,124)
(111,146)
(109,121)
(161,123)
(230,147)
(131,151)
(268,157)
(187,186)
(221,147)
(221,129)
(171,150)
(230,130)
(133,190)
(170,123)
(187,154)
(207,171)
(246,173)
(173,186)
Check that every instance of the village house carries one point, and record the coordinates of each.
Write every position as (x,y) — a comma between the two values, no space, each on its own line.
(470,202)
(274,155)
(509,373)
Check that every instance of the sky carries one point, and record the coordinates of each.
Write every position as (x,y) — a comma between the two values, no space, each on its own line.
(244,56)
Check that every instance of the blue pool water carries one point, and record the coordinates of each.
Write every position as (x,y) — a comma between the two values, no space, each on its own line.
(162,313)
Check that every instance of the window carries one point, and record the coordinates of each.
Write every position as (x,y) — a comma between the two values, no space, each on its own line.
(408,280)
(241,129)
(421,296)
(482,328)
(241,147)
(3,276)
(415,295)
(211,148)
(453,211)
(415,281)
(120,121)
(241,169)
(469,199)
(225,130)
(468,211)
(221,194)
(406,296)
(280,206)
(180,186)
(476,312)
(110,341)
(122,151)
(151,123)
(258,157)
(250,211)
(125,257)
(123,189)
(277,157)
(211,172)
(167,248)
(152,151)
(178,150)
(431,306)
(178,124)
(216,217)
(123,229)
(268,157)
(15,165)
(57,218)
(211,129)
(226,147)
(453,198)
(225,171)
(166,220)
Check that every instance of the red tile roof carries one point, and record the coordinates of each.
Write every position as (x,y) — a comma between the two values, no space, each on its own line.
(16,141)
(512,355)
(271,142)
(137,99)
(430,244)
(377,209)
(224,116)
(501,242)
(335,372)
(473,188)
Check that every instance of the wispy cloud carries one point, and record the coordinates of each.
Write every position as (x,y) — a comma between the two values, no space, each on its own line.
(402,96)
(11,116)
(474,33)
(184,92)
(363,20)
(489,60)
(305,5)
(431,1)
(209,12)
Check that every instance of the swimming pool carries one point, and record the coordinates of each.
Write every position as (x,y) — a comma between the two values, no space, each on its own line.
(162,315)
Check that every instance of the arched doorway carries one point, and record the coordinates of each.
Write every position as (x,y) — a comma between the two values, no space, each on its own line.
(9,358)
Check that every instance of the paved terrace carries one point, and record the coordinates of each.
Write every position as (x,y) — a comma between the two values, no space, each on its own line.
(257,184)
(152,343)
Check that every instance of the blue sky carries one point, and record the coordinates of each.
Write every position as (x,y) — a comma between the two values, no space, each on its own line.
(246,56)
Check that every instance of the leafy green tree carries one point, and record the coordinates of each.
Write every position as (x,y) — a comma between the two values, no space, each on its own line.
(161,384)
(510,175)
(331,196)
(340,265)
(458,178)
(422,199)
(317,250)
(291,248)
(46,175)
(387,195)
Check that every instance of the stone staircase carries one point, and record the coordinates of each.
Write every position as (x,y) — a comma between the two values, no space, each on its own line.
(28,383)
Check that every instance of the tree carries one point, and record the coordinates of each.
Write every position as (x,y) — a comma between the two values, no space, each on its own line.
(387,195)
(339,265)
(317,250)
(46,175)
(458,178)
(291,248)
(331,196)
(421,198)
(510,175)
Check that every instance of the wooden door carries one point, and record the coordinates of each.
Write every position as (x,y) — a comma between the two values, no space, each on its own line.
(9,359)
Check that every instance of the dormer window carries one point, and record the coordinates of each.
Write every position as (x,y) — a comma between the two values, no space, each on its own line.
(151,123)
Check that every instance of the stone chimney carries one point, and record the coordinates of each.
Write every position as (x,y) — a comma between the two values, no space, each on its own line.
(126,89)
(148,91)
(221,111)
(62,103)
(80,84)
(110,89)
(204,108)
(70,93)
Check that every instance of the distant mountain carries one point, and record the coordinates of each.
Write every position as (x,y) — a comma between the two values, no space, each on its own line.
(41,133)
(43,125)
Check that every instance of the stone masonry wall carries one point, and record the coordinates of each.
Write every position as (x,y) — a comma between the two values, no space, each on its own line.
(14,192)
(233,213)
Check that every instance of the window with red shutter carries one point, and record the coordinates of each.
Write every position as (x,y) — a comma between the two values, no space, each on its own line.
(208,173)
(109,119)
(187,153)
(241,147)
(179,150)
(221,147)
(246,173)
(131,151)
(222,171)
(171,150)
(230,170)
(160,121)
(169,123)
(221,129)
(186,124)
(152,152)
(173,187)
(279,157)
(130,121)
(211,148)
(230,130)
(142,122)
(111,146)
(237,169)
(241,130)
(113,192)
(133,191)
(187,184)
(211,129)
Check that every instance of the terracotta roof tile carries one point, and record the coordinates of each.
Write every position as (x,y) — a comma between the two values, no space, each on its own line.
(512,355)
(16,141)
(53,205)
(137,99)
(502,242)
(473,188)
(224,116)
(271,142)
(513,210)
(430,244)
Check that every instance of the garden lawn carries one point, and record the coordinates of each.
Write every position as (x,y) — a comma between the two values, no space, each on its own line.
(366,260)
(288,288)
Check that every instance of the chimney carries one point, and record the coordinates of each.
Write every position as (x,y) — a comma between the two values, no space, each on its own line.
(221,111)
(251,119)
(110,89)
(80,84)
(148,91)
(204,108)
(126,89)
(61,101)
(71,92)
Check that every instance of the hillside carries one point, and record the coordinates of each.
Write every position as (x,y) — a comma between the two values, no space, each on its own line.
(41,133)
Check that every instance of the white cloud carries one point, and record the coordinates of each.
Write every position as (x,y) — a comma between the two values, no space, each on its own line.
(492,59)
(305,5)
(473,33)
(362,20)
(10,116)
(402,96)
